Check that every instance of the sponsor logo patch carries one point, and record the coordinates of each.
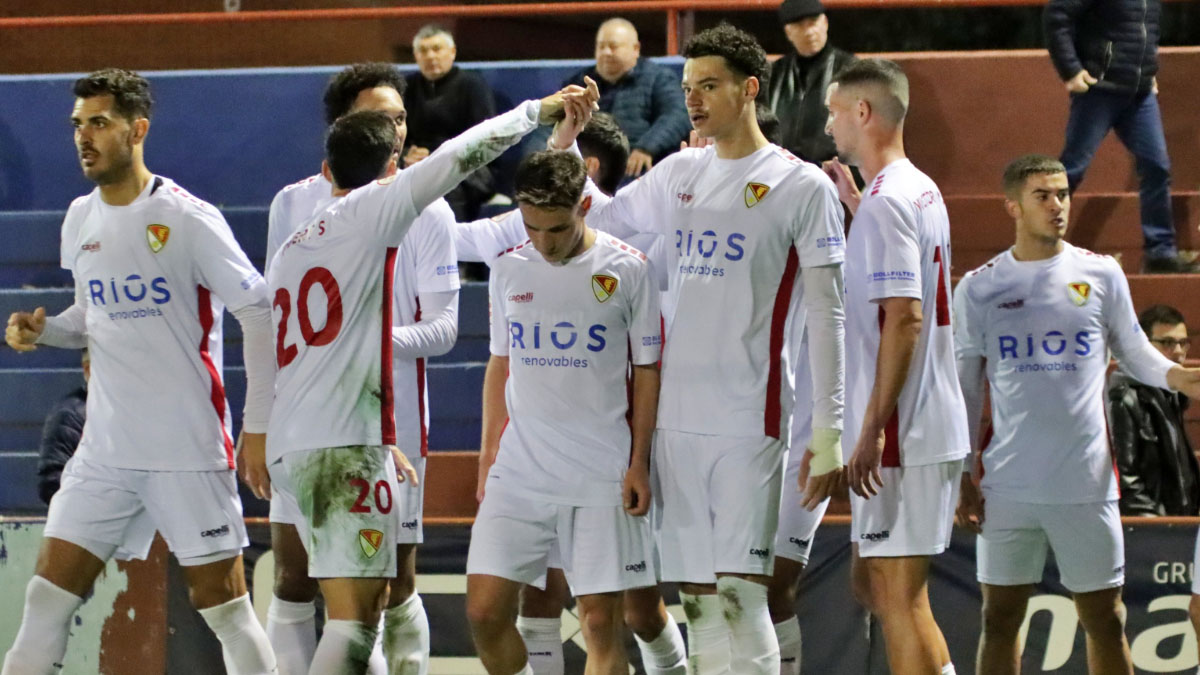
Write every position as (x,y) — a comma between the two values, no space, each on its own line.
(876,536)
(215,532)
(1079,291)
(636,567)
(603,286)
(370,541)
(760,552)
(755,192)
(91,246)
(157,236)
(1012,304)
(521,297)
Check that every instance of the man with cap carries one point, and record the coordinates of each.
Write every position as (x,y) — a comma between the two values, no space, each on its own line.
(799,79)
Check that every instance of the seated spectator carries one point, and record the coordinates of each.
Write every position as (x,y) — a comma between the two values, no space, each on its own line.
(60,435)
(443,101)
(1158,470)
(796,88)
(644,98)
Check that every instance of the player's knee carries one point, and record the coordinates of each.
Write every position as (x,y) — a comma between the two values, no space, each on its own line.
(401,589)
(212,594)
(1002,618)
(486,619)
(643,618)
(599,620)
(1102,616)
(781,600)
(1194,611)
(294,584)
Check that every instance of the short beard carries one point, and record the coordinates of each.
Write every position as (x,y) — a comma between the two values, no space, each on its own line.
(119,167)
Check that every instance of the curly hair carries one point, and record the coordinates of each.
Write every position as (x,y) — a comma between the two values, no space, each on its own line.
(344,87)
(130,91)
(741,51)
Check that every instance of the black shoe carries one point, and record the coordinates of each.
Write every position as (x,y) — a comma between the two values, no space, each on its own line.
(1174,265)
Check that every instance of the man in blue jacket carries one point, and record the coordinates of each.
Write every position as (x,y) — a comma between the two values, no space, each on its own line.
(1106,52)
(643,97)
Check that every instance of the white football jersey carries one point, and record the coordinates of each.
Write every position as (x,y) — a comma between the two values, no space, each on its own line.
(569,331)
(899,247)
(425,263)
(1045,328)
(737,233)
(156,275)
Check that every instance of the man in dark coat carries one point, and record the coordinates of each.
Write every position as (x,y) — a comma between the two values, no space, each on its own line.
(60,435)
(799,79)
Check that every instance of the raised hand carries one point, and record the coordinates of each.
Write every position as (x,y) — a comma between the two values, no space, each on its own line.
(24,328)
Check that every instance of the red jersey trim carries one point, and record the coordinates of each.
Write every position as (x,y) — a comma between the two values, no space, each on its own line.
(891,431)
(217,395)
(421,392)
(387,403)
(773,413)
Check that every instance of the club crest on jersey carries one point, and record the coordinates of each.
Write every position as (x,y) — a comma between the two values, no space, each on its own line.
(370,541)
(603,286)
(755,193)
(1079,291)
(156,236)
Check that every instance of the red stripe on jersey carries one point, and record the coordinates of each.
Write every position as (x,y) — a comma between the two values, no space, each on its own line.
(217,396)
(942,301)
(891,431)
(421,392)
(387,404)
(783,300)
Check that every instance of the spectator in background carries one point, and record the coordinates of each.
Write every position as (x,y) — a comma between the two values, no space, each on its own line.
(1158,470)
(443,101)
(61,433)
(800,78)
(1106,52)
(644,97)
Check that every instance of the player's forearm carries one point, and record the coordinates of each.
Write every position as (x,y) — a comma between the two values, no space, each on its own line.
(67,330)
(1145,363)
(434,334)
(645,413)
(259,356)
(824,299)
(460,156)
(495,411)
(897,343)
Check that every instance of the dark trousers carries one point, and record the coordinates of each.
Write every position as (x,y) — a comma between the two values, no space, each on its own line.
(1138,124)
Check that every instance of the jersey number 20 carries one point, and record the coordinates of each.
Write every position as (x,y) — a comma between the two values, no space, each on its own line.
(284,353)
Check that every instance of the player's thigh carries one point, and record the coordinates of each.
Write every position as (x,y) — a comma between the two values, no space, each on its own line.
(1100,609)
(547,603)
(491,601)
(1004,607)
(292,582)
(1011,550)
(604,549)
(682,506)
(347,498)
(198,513)
(354,598)
(913,514)
(746,484)
(513,537)
(1088,544)
(898,583)
(404,584)
(97,509)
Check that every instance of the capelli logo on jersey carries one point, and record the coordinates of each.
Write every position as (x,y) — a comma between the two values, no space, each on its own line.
(157,236)
(876,536)
(91,247)
(755,192)
(521,297)
(760,552)
(1012,304)
(802,543)
(685,197)
(636,567)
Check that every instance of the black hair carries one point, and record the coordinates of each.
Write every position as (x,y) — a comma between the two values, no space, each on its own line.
(1156,314)
(887,76)
(358,147)
(742,53)
(130,91)
(603,139)
(550,179)
(1020,169)
(768,123)
(344,87)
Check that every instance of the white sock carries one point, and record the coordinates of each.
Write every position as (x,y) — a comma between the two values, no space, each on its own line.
(41,641)
(752,645)
(292,630)
(406,637)
(708,635)
(948,669)
(788,634)
(345,648)
(543,641)
(378,664)
(245,645)
(664,655)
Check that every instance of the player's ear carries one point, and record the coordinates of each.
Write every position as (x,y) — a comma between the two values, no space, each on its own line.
(391,168)
(751,87)
(592,165)
(585,205)
(1012,207)
(326,172)
(141,127)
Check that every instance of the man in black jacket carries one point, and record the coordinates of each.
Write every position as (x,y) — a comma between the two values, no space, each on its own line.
(799,79)
(1158,470)
(1106,52)
(60,435)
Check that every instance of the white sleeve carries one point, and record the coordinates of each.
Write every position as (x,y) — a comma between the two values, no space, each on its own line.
(68,329)
(223,266)
(432,240)
(645,321)
(390,204)
(1128,342)
(823,299)
(633,210)
(485,239)
(496,316)
(970,358)
(434,333)
(893,253)
(259,356)
(819,228)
